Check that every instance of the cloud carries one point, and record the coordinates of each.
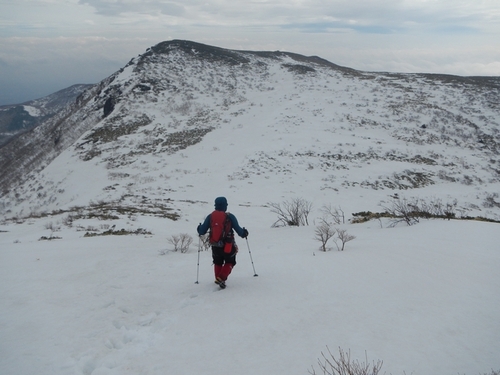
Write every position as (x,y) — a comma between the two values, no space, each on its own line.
(120,7)
(375,16)
(100,36)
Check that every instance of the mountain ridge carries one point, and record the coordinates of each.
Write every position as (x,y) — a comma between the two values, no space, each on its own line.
(415,133)
(18,118)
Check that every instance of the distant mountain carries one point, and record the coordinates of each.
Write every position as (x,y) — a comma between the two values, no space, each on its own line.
(18,118)
(226,119)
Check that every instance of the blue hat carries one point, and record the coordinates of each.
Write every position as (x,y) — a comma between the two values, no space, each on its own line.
(221,204)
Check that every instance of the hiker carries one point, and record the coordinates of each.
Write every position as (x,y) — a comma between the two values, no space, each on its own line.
(221,225)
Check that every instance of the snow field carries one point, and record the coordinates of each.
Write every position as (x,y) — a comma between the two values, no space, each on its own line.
(423,299)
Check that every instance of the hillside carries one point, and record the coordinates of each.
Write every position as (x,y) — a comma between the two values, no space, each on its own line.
(92,199)
(16,119)
(299,122)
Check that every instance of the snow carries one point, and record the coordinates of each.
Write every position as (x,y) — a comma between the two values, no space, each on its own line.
(32,110)
(424,298)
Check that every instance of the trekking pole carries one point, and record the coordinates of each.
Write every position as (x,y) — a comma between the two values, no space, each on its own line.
(198,268)
(249,252)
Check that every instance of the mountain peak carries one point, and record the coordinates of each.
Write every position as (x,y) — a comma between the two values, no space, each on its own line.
(198,50)
(219,119)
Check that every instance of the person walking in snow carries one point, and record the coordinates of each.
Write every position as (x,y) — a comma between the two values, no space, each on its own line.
(221,225)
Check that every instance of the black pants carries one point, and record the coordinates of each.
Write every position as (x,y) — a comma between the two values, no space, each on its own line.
(220,257)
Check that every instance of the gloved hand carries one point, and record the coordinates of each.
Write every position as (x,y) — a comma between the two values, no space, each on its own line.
(245,233)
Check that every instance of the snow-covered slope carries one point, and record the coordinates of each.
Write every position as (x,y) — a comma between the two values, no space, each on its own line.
(424,299)
(16,119)
(232,120)
(146,151)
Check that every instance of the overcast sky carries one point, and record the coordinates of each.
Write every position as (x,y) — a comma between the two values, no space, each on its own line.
(48,45)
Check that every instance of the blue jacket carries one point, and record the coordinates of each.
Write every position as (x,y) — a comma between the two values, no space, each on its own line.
(203,228)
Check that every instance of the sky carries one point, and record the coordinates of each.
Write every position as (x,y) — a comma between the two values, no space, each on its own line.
(48,45)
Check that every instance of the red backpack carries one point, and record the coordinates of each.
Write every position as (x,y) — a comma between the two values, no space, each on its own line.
(220,229)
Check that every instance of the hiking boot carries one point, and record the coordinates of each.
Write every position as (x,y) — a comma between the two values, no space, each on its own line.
(220,282)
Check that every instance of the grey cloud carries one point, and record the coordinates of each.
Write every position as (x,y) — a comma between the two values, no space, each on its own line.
(378,17)
(389,16)
(145,7)
(447,36)
(343,26)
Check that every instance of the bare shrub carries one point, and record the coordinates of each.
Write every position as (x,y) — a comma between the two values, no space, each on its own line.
(44,238)
(335,214)
(467,180)
(403,210)
(181,242)
(68,220)
(119,232)
(343,237)
(294,212)
(490,201)
(330,365)
(53,228)
(205,242)
(324,231)
(412,210)
(436,208)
